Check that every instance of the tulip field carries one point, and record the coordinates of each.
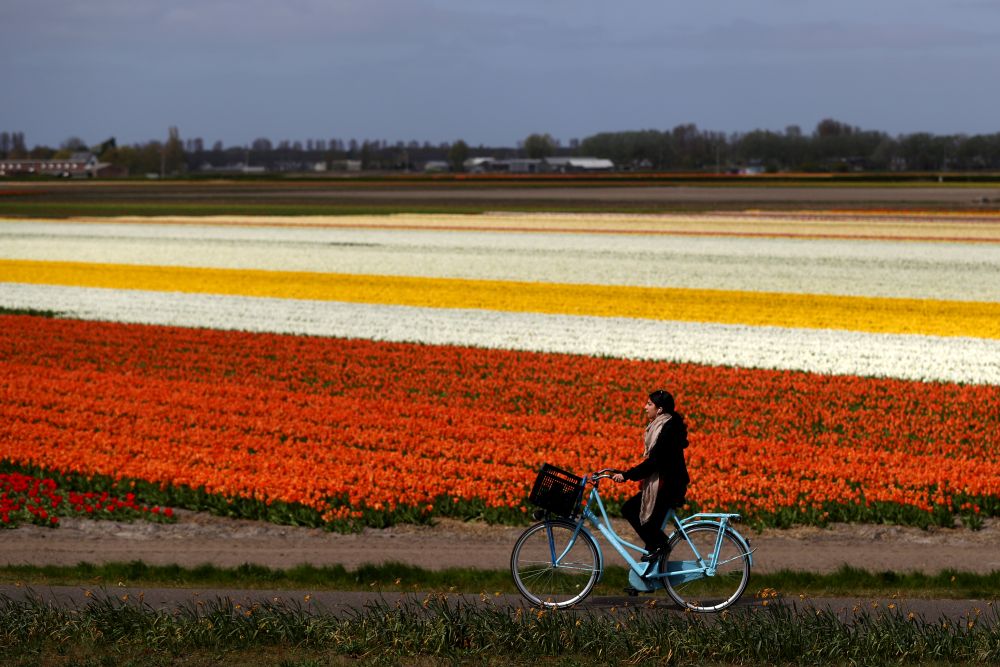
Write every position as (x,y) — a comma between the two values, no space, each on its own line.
(832,366)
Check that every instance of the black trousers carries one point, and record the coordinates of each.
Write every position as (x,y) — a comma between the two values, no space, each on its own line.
(650,531)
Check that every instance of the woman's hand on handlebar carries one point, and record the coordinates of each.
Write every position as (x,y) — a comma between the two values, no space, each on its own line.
(615,475)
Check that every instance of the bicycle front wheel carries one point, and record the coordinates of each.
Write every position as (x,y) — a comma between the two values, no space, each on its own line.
(698,591)
(553,568)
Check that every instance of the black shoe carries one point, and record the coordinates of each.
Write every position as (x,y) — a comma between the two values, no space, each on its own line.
(654,555)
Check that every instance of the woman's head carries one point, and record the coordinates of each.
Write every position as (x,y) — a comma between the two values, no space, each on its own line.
(659,402)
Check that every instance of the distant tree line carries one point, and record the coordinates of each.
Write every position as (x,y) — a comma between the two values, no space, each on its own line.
(832,146)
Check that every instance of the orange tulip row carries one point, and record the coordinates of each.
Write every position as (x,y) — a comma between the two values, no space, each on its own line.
(342,426)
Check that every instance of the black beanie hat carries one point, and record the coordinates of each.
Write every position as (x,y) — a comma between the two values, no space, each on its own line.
(663,400)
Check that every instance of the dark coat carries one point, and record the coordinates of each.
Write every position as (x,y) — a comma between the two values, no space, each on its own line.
(667,458)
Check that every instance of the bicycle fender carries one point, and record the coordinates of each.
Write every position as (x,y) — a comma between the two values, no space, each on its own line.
(744,543)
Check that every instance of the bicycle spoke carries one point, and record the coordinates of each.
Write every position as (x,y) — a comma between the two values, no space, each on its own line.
(732,569)
(560,584)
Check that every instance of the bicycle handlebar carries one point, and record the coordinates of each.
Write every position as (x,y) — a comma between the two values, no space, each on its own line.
(605,473)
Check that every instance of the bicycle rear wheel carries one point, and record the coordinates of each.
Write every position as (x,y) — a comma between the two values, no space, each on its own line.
(701,592)
(553,569)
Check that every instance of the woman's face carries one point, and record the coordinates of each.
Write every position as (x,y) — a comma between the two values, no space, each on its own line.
(651,410)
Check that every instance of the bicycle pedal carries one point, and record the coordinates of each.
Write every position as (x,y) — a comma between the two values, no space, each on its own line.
(632,592)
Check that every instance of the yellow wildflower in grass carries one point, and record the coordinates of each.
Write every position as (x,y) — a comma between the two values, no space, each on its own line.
(809,311)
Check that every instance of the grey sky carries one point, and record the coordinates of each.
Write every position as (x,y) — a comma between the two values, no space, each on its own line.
(491,72)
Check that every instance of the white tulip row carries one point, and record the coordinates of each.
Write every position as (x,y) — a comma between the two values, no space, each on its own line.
(925,358)
(905,269)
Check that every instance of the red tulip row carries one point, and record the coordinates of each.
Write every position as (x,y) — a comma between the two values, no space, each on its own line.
(39,500)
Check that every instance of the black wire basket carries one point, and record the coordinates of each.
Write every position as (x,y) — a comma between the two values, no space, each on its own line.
(557,491)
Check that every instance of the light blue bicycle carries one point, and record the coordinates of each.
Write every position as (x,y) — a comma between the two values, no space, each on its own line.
(557,561)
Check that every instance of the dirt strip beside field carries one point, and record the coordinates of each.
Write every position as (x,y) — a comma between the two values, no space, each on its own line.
(201,538)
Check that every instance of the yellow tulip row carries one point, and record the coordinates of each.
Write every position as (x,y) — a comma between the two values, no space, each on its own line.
(808,311)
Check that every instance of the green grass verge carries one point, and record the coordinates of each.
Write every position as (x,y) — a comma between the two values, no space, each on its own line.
(397,577)
(439,630)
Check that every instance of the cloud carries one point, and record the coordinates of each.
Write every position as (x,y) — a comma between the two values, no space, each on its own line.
(442,24)
(830,36)
(429,68)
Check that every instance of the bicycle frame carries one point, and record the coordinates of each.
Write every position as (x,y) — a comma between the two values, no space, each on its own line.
(645,576)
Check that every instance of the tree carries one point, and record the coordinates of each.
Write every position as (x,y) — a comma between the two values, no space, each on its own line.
(140,158)
(829,127)
(151,157)
(763,145)
(538,146)
(884,155)
(73,145)
(457,155)
(68,147)
(367,150)
(107,151)
(691,149)
(18,149)
(919,151)
(643,149)
(173,152)
(41,153)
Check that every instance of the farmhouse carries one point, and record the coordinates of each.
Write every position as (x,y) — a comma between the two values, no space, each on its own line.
(578,164)
(523,165)
(478,165)
(436,166)
(78,165)
(538,166)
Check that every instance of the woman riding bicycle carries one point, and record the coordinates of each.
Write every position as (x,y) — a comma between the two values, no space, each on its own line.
(663,473)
